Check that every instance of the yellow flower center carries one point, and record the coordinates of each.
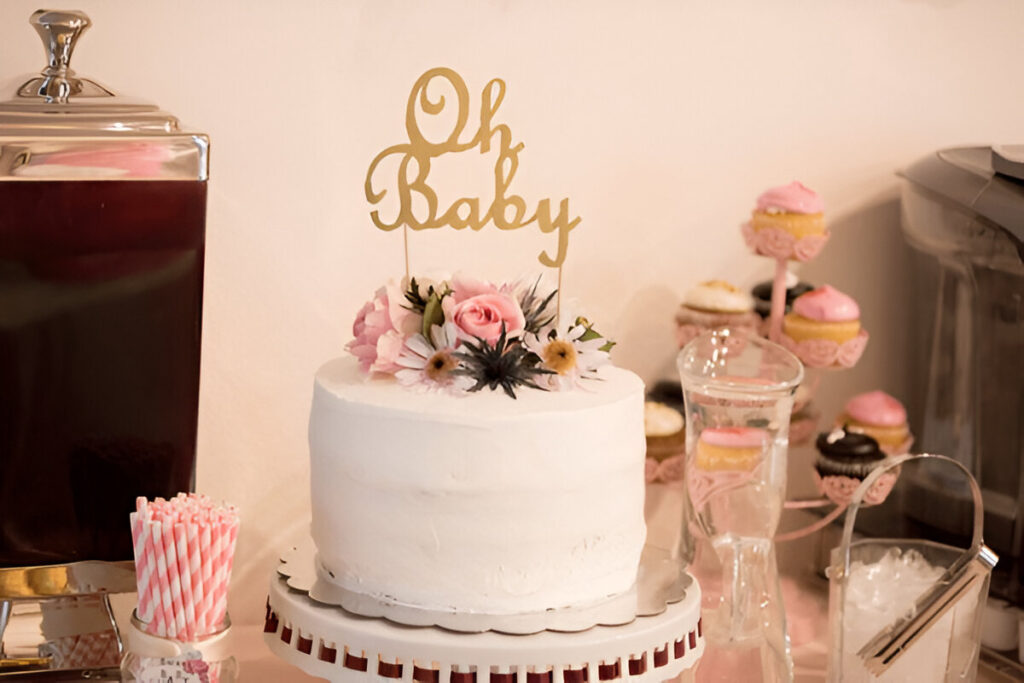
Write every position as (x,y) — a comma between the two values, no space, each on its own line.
(439,365)
(560,356)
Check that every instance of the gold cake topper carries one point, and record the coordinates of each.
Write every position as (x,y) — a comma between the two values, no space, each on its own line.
(507,211)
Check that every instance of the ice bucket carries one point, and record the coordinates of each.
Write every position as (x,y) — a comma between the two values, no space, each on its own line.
(906,609)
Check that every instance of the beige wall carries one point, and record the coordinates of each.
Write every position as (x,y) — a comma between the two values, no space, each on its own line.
(661,122)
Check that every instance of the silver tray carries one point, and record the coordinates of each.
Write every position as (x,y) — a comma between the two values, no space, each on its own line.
(661,581)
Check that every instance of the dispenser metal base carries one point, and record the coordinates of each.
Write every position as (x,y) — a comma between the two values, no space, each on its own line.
(56,622)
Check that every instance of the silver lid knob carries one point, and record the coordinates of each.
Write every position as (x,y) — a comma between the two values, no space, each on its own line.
(60,30)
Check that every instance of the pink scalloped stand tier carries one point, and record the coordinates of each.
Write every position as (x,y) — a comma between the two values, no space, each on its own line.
(825,353)
(691,323)
(667,471)
(704,486)
(840,489)
(780,244)
(802,428)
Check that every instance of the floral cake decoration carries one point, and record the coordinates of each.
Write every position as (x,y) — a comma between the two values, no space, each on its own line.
(464,335)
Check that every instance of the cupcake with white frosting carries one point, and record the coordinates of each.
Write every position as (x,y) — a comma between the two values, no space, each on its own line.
(711,305)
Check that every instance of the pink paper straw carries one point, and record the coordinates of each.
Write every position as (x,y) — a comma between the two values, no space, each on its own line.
(778,309)
(217,536)
(141,575)
(195,570)
(185,579)
(165,608)
(228,532)
(154,615)
(174,579)
(184,552)
(206,556)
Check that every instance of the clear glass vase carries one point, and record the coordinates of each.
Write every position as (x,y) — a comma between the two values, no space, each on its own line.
(738,389)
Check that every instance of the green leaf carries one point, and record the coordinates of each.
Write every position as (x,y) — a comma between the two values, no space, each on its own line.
(590,333)
(413,296)
(433,314)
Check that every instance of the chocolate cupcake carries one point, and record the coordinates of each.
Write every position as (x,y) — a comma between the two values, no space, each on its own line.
(846,454)
(844,460)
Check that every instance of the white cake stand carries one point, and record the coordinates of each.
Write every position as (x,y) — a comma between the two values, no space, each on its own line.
(327,641)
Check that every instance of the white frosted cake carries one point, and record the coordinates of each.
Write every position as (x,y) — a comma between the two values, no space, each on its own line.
(492,466)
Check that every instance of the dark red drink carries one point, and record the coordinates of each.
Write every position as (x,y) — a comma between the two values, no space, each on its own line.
(100,312)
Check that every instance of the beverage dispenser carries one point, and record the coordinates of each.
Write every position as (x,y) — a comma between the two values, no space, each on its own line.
(102,231)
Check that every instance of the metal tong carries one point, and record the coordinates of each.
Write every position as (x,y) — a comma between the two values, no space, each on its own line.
(882,651)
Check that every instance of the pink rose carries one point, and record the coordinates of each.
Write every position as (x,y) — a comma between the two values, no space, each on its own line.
(380,330)
(484,315)
(465,287)
(478,309)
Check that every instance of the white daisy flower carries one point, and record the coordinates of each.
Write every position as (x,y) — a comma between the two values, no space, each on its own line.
(428,365)
(569,357)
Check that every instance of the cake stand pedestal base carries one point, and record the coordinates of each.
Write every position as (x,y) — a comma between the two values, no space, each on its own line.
(327,641)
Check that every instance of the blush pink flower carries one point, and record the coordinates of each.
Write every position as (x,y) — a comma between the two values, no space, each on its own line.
(380,330)
(484,315)
(479,309)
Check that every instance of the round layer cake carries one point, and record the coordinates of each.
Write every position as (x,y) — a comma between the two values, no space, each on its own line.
(477,503)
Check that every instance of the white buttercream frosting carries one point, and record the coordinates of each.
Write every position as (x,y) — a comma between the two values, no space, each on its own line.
(478,503)
(719,296)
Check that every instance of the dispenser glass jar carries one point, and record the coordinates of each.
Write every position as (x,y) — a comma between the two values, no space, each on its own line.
(101,274)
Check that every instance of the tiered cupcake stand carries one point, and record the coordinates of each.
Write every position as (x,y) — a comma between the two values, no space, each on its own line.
(816,355)
(662,639)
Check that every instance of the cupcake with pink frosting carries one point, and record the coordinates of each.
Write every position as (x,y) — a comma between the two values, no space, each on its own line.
(880,416)
(824,329)
(711,305)
(788,222)
(730,448)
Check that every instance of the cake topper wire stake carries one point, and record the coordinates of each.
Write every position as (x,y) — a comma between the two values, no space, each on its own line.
(558,301)
(405,244)
(778,309)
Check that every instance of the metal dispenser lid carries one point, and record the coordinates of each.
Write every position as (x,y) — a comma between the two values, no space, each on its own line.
(58,98)
(983,181)
(59,125)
